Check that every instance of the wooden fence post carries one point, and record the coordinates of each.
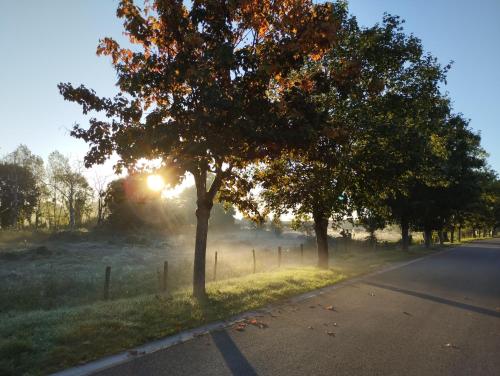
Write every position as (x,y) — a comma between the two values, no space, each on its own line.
(215,267)
(106,282)
(165,276)
(279,257)
(254,266)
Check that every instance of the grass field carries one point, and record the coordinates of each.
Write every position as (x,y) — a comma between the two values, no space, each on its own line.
(53,315)
(49,272)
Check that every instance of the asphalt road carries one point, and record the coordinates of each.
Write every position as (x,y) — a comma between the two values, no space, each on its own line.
(437,316)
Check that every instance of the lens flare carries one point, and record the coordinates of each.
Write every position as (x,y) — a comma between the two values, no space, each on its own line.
(155,183)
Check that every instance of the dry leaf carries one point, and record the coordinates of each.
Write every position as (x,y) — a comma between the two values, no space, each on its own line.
(240,327)
(255,322)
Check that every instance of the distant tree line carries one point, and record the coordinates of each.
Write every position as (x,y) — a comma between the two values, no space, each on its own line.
(290,106)
(42,195)
(56,195)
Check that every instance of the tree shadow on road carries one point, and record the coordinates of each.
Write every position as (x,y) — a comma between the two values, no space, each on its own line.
(232,355)
(437,299)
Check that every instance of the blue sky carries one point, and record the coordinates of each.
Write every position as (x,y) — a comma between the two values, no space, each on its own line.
(46,42)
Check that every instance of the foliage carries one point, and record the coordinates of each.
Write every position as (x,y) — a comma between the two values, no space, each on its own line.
(194,92)
(401,146)
(70,188)
(132,206)
(371,220)
(18,194)
(343,91)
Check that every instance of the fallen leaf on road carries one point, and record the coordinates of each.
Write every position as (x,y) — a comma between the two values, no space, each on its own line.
(257,323)
(330,308)
(335,324)
(407,313)
(312,306)
(310,327)
(240,327)
(451,346)
(332,334)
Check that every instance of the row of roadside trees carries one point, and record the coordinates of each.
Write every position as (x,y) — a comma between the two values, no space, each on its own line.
(289,106)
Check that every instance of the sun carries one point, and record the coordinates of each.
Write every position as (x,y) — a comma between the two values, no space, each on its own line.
(155,183)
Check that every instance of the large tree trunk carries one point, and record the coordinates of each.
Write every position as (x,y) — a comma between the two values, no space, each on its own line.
(441,237)
(321,230)
(99,210)
(452,235)
(427,238)
(200,249)
(204,203)
(71,216)
(373,239)
(54,215)
(459,233)
(405,233)
(71,207)
(38,213)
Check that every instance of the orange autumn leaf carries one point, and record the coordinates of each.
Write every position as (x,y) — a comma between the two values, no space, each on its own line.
(316,56)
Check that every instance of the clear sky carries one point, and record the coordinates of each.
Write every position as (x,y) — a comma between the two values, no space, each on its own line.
(45,42)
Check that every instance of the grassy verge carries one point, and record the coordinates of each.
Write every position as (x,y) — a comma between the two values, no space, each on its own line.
(38,342)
